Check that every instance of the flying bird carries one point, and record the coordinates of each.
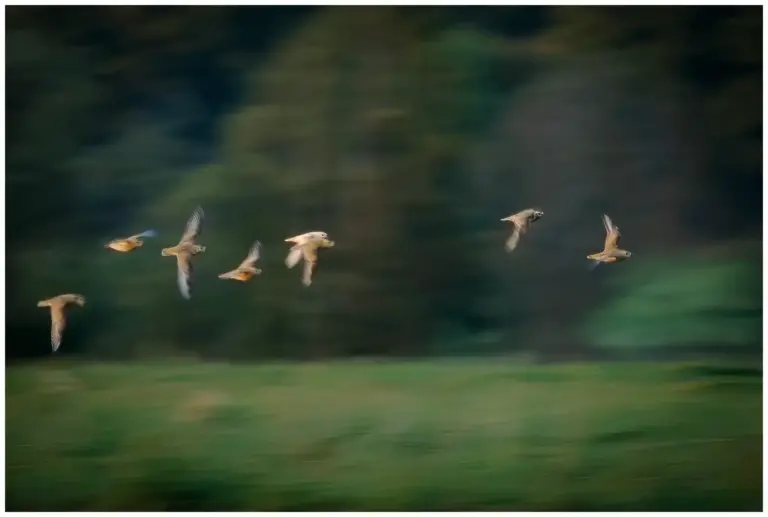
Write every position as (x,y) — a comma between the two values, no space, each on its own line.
(130,243)
(306,246)
(521,221)
(611,251)
(246,270)
(58,320)
(185,250)
(306,237)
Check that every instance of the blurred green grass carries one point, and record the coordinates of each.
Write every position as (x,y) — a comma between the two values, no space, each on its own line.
(431,435)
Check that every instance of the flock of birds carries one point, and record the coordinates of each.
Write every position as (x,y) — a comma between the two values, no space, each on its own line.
(304,246)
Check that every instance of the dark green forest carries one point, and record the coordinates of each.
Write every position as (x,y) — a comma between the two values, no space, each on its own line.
(406,133)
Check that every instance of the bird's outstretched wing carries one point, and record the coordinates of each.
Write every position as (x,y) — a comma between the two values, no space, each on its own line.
(194,226)
(310,261)
(513,240)
(148,233)
(58,322)
(185,271)
(254,254)
(293,256)
(306,277)
(612,234)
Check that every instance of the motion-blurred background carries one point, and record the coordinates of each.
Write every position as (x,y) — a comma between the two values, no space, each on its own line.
(407,134)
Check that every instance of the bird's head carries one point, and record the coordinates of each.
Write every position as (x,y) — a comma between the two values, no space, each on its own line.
(318,235)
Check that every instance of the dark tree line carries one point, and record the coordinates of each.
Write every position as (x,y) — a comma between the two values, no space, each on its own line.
(406,133)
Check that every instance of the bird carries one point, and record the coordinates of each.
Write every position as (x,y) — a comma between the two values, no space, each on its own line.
(58,320)
(246,270)
(185,250)
(305,237)
(611,251)
(306,246)
(521,221)
(128,244)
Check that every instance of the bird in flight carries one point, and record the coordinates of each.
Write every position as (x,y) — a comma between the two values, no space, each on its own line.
(246,270)
(306,246)
(130,243)
(611,251)
(58,319)
(185,250)
(521,221)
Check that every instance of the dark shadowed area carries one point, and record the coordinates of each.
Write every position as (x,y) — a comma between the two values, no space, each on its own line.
(406,133)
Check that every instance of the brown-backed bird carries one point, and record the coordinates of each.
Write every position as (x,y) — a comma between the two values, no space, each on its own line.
(185,250)
(611,251)
(58,319)
(521,221)
(246,270)
(130,243)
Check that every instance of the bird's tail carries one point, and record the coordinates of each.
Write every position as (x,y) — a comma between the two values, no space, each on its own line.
(148,233)
(593,264)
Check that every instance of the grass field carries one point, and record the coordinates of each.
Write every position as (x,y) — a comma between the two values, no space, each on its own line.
(445,435)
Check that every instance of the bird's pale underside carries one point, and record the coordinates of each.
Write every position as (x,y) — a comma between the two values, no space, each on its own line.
(58,317)
(306,246)
(185,250)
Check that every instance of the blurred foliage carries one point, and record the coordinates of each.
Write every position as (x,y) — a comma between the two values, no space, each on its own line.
(684,301)
(406,133)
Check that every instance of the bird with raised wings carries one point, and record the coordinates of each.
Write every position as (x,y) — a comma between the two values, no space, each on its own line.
(58,319)
(306,246)
(521,221)
(127,244)
(185,250)
(611,251)
(247,268)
